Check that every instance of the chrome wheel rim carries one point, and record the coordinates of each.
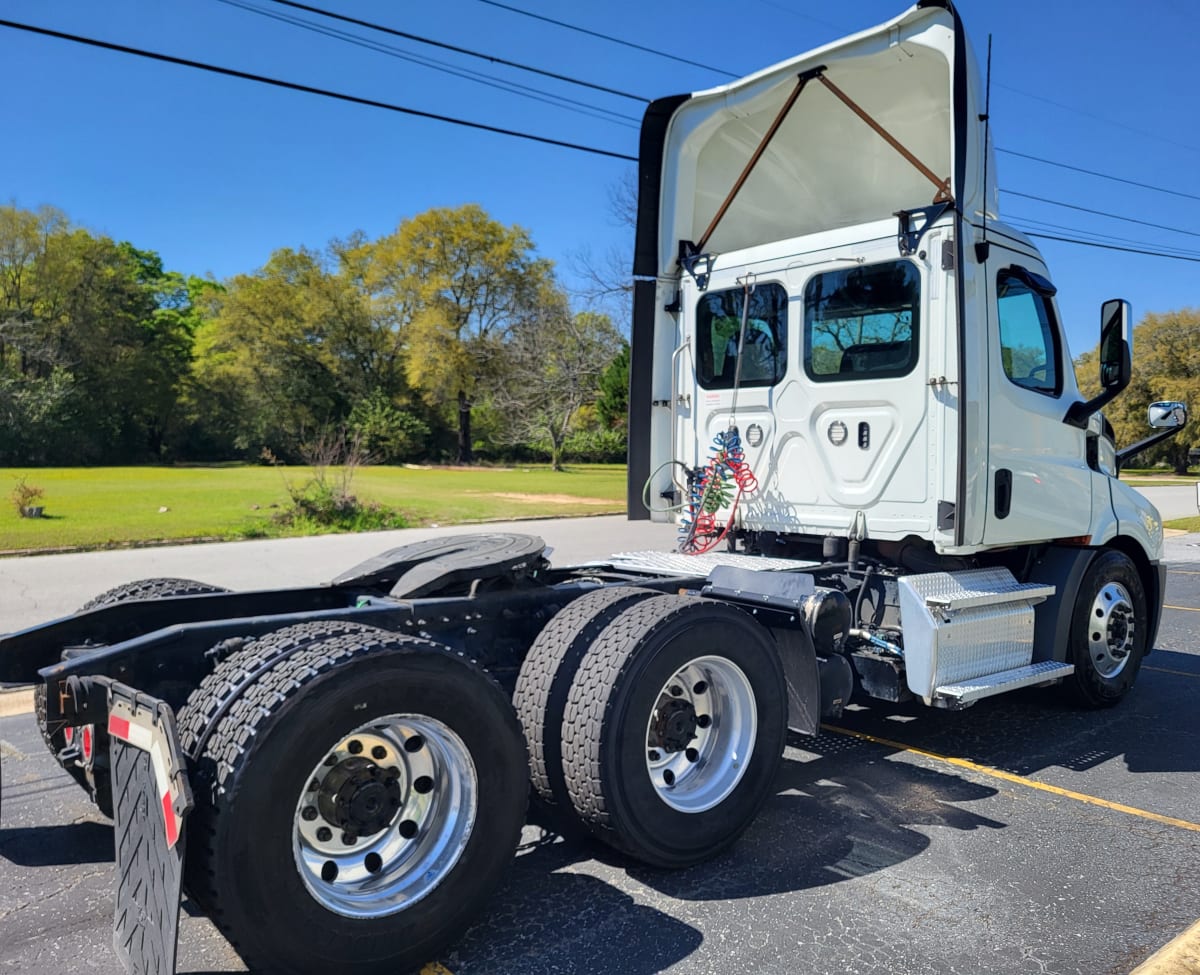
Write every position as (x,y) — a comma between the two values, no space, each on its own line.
(1111,630)
(385,815)
(700,734)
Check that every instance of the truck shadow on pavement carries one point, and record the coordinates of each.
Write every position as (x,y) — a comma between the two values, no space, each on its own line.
(1154,729)
(57,846)
(572,904)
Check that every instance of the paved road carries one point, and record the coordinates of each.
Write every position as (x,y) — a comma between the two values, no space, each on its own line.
(1081,856)
(1173,502)
(37,588)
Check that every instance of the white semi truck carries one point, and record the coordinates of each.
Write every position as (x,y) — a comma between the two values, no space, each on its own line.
(851,390)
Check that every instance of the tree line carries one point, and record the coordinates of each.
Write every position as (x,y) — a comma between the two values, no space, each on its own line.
(1166,366)
(446,339)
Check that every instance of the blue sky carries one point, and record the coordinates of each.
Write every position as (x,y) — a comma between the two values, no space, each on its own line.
(215,173)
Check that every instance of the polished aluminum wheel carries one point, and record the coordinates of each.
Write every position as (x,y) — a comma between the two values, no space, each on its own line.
(700,734)
(1111,629)
(385,815)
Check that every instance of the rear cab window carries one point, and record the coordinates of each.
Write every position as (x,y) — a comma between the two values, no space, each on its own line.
(862,322)
(720,342)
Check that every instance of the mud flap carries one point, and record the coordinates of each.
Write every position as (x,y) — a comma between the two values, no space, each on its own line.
(151,798)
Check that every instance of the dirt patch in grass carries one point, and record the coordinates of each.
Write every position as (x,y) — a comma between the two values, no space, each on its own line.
(549,498)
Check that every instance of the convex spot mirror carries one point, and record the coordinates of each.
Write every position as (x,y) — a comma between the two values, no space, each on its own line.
(1116,344)
(1167,415)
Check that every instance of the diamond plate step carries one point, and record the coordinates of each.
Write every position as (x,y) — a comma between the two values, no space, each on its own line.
(1009,680)
(978,587)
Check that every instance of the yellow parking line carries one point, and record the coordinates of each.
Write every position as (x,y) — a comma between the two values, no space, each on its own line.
(1018,779)
(1178,957)
(1182,572)
(1164,670)
(1188,609)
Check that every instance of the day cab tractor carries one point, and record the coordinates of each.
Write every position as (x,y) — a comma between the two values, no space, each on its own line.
(851,391)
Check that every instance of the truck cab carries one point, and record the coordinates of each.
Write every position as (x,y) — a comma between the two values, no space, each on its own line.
(840,348)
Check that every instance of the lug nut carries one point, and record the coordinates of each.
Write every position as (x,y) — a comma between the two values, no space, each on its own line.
(310,813)
(379,753)
(703,720)
(349,839)
(654,755)
(354,747)
(324,834)
(676,691)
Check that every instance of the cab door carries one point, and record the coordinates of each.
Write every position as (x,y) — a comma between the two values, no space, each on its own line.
(728,376)
(1039,484)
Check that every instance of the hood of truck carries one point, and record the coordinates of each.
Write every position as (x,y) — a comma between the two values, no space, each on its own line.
(825,167)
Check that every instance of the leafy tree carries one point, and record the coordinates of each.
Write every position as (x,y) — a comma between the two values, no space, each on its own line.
(555,360)
(454,283)
(1166,366)
(288,348)
(612,404)
(388,435)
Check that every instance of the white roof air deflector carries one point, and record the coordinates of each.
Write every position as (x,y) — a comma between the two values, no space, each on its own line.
(823,167)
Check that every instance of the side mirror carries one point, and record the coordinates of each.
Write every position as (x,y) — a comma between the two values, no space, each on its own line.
(1116,360)
(1167,415)
(1116,341)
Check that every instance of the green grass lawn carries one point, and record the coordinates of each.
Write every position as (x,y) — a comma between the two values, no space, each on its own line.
(96,507)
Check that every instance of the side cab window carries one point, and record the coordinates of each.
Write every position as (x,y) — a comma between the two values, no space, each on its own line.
(1030,348)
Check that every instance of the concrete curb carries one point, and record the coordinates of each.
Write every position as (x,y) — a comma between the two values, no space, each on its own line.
(1178,957)
(16,700)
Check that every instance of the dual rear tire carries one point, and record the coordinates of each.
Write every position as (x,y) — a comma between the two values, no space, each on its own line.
(655,721)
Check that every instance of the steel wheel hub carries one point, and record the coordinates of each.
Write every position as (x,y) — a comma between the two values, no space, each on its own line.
(1111,629)
(701,733)
(385,815)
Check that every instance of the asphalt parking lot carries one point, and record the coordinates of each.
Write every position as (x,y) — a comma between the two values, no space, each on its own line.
(1021,835)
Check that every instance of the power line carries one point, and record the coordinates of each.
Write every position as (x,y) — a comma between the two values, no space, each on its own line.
(1098,118)
(1114,247)
(1100,213)
(310,90)
(1093,172)
(524,91)
(606,37)
(544,140)
(461,50)
(1018,220)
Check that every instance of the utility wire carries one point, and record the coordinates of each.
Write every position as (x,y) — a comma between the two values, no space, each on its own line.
(524,91)
(1093,172)
(1114,247)
(461,50)
(607,37)
(1098,118)
(310,90)
(1101,213)
(1031,223)
(544,140)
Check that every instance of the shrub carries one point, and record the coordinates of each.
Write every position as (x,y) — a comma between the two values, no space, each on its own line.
(25,496)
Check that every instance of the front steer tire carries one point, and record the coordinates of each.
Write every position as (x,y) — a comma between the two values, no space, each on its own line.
(1109,628)
(664,669)
(253,779)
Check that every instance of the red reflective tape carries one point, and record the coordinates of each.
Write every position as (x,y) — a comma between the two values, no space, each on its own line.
(118,727)
(169,819)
